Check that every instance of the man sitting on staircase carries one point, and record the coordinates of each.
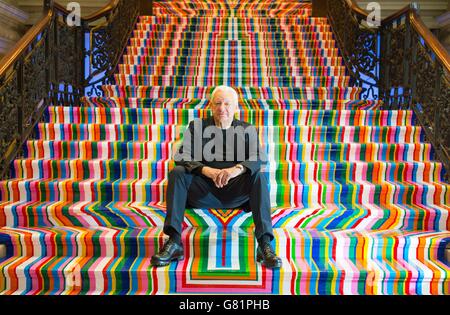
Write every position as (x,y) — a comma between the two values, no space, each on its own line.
(218,165)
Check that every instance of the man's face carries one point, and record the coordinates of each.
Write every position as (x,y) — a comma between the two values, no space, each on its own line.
(223,107)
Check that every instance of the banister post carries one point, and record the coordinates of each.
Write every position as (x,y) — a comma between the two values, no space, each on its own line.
(146,7)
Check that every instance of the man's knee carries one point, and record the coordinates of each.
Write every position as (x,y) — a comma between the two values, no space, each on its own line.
(258,175)
(259,179)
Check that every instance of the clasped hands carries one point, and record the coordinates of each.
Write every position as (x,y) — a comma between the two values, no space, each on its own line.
(221,177)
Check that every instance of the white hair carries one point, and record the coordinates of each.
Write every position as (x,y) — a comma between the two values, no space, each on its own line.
(226,89)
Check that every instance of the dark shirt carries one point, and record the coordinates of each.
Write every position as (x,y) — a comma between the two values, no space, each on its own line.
(237,145)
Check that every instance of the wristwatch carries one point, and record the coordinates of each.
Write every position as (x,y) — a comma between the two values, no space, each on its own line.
(241,167)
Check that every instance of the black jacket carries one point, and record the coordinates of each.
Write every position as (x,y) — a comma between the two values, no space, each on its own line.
(194,159)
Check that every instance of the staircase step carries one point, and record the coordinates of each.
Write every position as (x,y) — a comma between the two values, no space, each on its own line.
(302,51)
(224,12)
(245,44)
(274,134)
(234,33)
(135,58)
(286,192)
(245,71)
(377,263)
(241,10)
(308,93)
(235,78)
(143,242)
(289,20)
(306,152)
(241,25)
(149,214)
(244,104)
(374,172)
(161,116)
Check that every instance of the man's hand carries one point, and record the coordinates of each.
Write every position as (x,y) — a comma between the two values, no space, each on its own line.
(211,172)
(221,177)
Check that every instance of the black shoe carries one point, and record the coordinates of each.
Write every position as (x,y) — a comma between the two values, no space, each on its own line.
(170,251)
(266,255)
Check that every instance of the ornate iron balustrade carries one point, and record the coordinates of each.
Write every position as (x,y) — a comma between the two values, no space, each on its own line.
(107,43)
(415,74)
(403,61)
(54,65)
(358,45)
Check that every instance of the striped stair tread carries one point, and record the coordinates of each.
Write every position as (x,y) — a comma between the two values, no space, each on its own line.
(281,56)
(375,172)
(136,242)
(208,24)
(204,61)
(394,263)
(232,79)
(272,42)
(244,7)
(286,192)
(309,93)
(241,9)
(224,13)
(235,47)
(246,47)
(133,58)
(160,116)
(290,134)
(306,152)
(150,214)
(307,49)
(246,71)
(188,32)
(244,104)
(240,25)
(288,20)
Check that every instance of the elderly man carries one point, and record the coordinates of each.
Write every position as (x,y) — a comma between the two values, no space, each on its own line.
(218,166)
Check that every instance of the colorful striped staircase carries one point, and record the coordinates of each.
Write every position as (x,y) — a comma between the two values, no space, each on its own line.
(359,203)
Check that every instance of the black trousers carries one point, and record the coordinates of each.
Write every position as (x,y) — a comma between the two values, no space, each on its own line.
(198,191)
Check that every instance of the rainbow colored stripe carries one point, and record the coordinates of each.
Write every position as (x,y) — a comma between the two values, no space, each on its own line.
(359,205)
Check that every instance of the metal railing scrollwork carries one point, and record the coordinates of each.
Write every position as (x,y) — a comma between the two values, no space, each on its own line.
(57,64)
(107,43)
(403,61)
(358,45)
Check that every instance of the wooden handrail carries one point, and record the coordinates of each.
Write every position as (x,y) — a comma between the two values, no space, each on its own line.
(357,9)
(15,53)
(102,12)
(430,40)
(394,16)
